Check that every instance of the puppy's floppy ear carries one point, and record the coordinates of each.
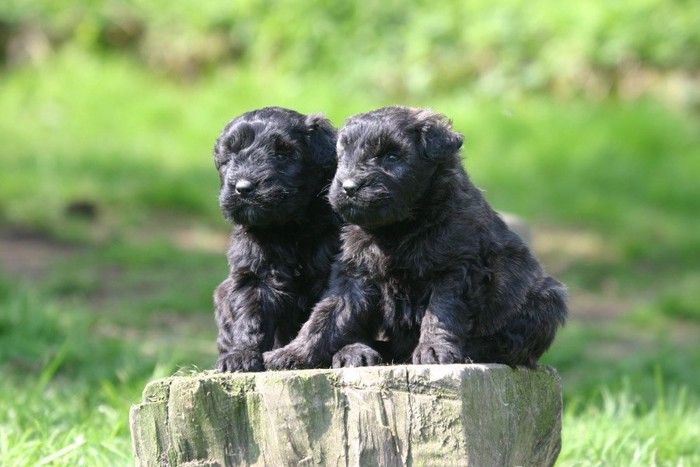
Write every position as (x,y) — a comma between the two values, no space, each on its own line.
(219,146)
(235,136)
(322,139)
(438,139)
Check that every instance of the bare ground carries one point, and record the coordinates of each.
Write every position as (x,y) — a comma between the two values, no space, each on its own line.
(29,255)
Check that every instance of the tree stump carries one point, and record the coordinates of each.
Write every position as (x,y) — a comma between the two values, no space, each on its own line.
(442,415)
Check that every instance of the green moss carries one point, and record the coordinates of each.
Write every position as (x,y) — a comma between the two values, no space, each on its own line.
(157,390)
(235,384)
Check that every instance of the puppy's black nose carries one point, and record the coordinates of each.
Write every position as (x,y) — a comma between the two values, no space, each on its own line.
(244,187)
(350,187)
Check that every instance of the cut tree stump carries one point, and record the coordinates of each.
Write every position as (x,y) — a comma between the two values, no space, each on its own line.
(441,415)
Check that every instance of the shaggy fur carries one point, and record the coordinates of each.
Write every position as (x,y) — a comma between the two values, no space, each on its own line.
(275,166)
(424,262)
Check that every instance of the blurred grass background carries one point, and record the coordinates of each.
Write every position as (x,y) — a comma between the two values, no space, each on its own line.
(583,119)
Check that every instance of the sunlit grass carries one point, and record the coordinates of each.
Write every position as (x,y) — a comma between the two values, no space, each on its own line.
(617,429)
(68,384)
(128,139)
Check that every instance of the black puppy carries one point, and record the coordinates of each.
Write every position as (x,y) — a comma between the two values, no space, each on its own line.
(424,260)
(275,166)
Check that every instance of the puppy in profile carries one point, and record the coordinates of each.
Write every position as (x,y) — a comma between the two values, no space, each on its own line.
(424,261)
(275,166)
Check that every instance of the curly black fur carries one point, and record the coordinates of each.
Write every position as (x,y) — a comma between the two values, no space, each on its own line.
(424,262)
(275,166)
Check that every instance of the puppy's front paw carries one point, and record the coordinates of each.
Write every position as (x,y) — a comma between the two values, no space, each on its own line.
(282,359)
(356,355)
(240,360)
(436,352)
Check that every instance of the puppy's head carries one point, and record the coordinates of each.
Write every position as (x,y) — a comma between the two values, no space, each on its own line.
(387,159)
(273,163)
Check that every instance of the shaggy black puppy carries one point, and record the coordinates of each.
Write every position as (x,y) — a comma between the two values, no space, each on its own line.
(424,262)
(275,166)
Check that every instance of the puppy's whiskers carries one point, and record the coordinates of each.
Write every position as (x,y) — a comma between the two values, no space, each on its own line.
(324,191)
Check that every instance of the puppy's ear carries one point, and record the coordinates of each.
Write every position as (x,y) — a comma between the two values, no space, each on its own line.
(438,139)
(322,139)
(220,146)
(233,137)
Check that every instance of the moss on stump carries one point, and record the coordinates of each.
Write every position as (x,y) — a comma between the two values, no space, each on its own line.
(385,415)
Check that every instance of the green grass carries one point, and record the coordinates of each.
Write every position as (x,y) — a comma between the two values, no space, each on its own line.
(630,391)
(64,391)
(70,374)
(127,303)
(616,429)
(127,139)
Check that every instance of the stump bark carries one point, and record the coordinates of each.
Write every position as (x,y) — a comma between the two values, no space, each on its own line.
(442,415)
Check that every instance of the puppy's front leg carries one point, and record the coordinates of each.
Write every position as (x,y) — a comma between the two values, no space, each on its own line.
(341,318)
(444,326)
(242,311)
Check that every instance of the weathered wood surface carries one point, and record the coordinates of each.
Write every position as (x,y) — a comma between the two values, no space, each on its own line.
(441,415)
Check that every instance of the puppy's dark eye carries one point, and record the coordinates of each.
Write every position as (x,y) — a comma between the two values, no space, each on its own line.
(224,161)
(391,157)
(279,157)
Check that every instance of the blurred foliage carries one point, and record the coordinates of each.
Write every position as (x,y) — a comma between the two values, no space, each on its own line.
(594,48)
(134,145)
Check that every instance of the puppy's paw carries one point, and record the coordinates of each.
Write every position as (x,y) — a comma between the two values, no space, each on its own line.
(437,352)
(356,355)
(240,360)
(283,359)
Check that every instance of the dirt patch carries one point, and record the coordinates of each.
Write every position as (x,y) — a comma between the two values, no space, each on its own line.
(587,306)
(561,248)
(188,237)
(29,254)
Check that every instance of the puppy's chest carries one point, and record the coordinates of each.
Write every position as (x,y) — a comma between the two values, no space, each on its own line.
(404,300)
(403,260)
(290,270)
(285,275)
